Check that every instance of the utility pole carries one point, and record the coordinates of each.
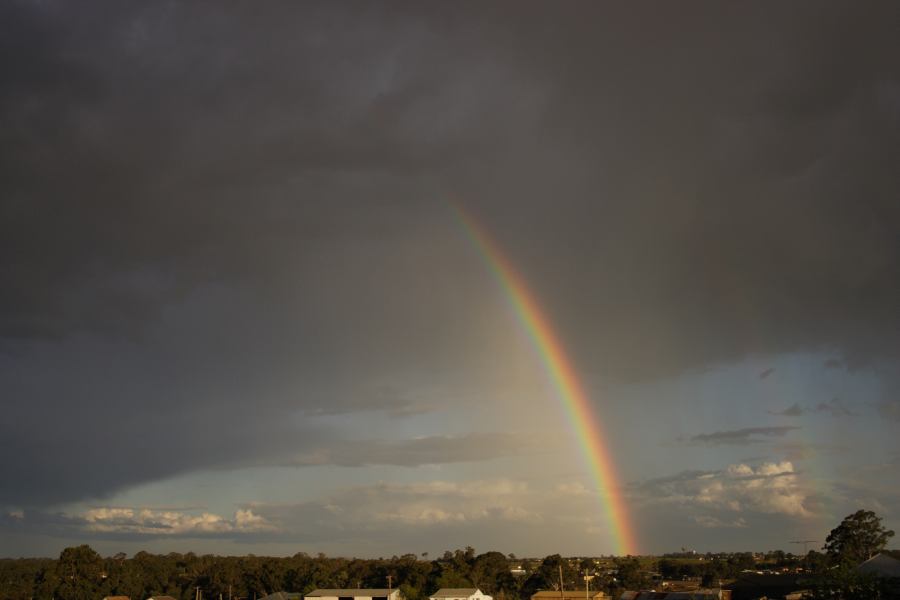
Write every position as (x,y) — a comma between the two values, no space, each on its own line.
(390,579)
(587,585)
(806,544)
(562,586)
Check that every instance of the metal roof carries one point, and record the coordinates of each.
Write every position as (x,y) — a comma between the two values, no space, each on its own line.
(882,565)
(454,593)
(283,596)
(551,594)
(351,592)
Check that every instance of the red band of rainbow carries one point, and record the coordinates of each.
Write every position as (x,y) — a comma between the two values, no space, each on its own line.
(560,370)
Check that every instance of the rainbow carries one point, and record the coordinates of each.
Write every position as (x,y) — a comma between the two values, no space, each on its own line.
(562,374)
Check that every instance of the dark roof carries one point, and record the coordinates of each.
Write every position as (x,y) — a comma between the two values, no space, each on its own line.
(350,592)
(551,594)
(702,594)
(453,593)
(881,565)
(283,596)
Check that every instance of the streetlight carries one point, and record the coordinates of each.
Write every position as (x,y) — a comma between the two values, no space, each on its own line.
(587,585)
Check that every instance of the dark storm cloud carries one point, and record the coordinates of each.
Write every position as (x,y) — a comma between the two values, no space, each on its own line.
(132,152)
(215,219)
(747,435)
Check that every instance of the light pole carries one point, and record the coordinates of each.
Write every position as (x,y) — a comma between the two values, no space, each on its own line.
(587,585)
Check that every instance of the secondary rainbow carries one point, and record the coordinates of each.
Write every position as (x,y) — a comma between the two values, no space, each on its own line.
(561,373)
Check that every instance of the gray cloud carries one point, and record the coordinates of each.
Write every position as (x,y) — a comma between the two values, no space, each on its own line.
(717,523)
(747,435)
(474,447)
(479,509)
(218,222)
(127,523)
(794,410)
(833,407)
(889,409)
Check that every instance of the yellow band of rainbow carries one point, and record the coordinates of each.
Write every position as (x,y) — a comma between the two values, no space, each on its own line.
(561,373)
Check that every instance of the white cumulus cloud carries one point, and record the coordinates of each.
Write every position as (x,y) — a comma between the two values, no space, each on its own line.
(169,522)
(769,488)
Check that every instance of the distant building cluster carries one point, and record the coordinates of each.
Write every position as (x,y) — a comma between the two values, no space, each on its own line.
(357,594)
(476,594)
(880,565)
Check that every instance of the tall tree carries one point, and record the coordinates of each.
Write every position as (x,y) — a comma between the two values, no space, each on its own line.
(80,572)
(859,537)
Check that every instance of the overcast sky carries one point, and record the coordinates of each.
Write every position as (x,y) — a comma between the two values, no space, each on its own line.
(238,314)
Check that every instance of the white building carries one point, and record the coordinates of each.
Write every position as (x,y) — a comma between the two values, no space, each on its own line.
(459,594)
(355,594)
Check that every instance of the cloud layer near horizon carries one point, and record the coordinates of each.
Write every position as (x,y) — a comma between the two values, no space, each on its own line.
(481,511)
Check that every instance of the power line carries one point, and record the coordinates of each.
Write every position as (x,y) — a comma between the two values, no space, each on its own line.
(805,543)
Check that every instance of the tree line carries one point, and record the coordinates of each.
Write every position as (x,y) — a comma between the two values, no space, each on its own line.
(80,573)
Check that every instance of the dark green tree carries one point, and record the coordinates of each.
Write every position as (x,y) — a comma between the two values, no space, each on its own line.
(490,573)
(628,573)
(668,568)
(844,583)
(859,537)
(546,576)
(80,573)
(453,569)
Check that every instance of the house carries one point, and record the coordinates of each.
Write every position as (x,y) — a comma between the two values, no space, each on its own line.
(704,594)
(116,598)
(459,594)
(880,565)
(569,595)
(160,598)
(355,594)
